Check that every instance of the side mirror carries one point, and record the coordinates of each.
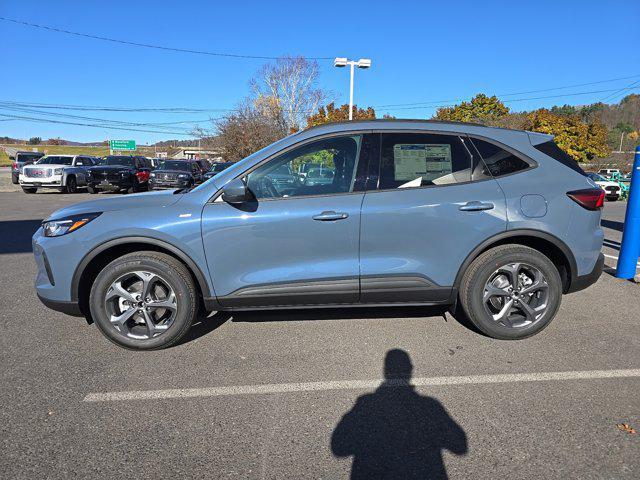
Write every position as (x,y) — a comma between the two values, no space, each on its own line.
(235,192)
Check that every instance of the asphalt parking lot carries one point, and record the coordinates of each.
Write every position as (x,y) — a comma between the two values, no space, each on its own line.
(295,394)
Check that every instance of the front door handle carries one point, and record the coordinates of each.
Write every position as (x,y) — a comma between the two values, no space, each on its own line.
(330,216)
(476,206)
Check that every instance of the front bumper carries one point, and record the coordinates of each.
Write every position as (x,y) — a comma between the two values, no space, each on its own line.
(171,184)
(55,181)
(110,184)
(583,281)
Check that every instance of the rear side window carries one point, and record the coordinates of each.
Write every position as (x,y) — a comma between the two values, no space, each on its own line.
(497,160)
(422,160)
(555,152)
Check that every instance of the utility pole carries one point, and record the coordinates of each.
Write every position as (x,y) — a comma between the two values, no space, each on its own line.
(621,137)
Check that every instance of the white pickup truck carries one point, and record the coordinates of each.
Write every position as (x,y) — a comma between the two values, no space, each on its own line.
(64,172)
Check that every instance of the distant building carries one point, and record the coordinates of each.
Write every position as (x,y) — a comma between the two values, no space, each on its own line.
(195,153)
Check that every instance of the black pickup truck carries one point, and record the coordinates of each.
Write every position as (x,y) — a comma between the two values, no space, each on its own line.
(120,173)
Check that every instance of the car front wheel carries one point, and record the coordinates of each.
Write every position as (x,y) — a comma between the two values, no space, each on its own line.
(144,301)
(29,189)
(511,292)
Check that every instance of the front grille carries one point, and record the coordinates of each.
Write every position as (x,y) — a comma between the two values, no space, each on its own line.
(37,172)
(168,177)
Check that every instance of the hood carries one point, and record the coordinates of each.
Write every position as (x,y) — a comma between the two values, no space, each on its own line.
(35,166)
(111,168)
(129,202)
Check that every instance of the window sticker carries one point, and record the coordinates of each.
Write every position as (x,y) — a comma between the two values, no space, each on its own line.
(427,160)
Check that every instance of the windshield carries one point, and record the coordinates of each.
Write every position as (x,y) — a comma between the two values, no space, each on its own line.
(175,165)
(117,160)
(55,161)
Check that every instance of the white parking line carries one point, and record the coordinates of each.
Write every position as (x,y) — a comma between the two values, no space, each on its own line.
(616,258)
(357,385)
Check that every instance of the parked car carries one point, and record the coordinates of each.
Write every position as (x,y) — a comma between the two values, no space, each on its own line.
(19,160)
(216,168)
(319,176)
(65,173)
(611,189)
(607,172)
(176,174)
(120,173)
(413,216)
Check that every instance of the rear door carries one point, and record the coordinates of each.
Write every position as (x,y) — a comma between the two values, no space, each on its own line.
(430,206)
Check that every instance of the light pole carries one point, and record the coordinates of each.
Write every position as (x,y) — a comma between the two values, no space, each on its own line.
(343,62)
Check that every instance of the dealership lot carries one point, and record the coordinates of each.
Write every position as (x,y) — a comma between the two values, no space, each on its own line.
(259,395)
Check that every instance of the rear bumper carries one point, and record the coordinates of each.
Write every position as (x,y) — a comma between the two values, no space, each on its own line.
(583,281)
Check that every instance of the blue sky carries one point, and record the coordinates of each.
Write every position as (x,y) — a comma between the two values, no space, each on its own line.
(421,51)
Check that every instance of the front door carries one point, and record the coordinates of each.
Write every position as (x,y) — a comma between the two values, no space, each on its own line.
(430,208)
(297,243)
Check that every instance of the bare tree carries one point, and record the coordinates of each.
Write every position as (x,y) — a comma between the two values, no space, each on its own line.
(292,83)
(253,125)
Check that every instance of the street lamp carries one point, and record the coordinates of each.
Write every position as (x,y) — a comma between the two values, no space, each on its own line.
(343,62)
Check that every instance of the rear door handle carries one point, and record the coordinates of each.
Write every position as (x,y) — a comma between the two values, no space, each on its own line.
(330,216)
(476,206)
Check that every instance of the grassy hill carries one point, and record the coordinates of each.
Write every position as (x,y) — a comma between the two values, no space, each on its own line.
(69,150)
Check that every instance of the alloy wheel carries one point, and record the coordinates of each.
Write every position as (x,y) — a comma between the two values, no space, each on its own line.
(141,305)
(516,295)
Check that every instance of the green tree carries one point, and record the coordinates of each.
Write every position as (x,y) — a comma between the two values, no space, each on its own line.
(481,109)
(580,140)
(330,113)
(35,141)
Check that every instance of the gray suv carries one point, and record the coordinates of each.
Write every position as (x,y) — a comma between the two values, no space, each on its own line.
(494,224)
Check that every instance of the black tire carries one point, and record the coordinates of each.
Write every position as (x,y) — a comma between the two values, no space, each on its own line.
(472,290)
(71,186)
(15,179)
(29,189)
(91,189)
(172,271)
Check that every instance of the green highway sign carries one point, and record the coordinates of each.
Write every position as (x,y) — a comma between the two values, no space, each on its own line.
(122,144)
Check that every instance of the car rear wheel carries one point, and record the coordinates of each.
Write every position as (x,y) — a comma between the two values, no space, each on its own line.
(511,292)
(29,189)
(144,301)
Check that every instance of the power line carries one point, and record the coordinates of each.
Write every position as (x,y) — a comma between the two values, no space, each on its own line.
(46,120)
(615,94)
(147,45)
(511,94)
(93,119)
(517,99)
(58,106)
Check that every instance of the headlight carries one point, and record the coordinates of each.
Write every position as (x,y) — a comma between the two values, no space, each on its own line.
(152,174)
(62,226)
(57,171)
(183,175)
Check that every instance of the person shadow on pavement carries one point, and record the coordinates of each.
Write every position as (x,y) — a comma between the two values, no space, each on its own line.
(395,432)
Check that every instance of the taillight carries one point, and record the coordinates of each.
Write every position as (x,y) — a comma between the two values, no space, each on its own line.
(15,165)
(589,198)
(142,176)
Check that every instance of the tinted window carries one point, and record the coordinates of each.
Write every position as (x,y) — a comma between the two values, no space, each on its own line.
(28,157)
(276,178)
(422,160)
(555,152)
(118,160)
(497,160)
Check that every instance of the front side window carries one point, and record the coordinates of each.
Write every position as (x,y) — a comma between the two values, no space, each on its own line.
(497,160)
(335,157)
(422,160)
